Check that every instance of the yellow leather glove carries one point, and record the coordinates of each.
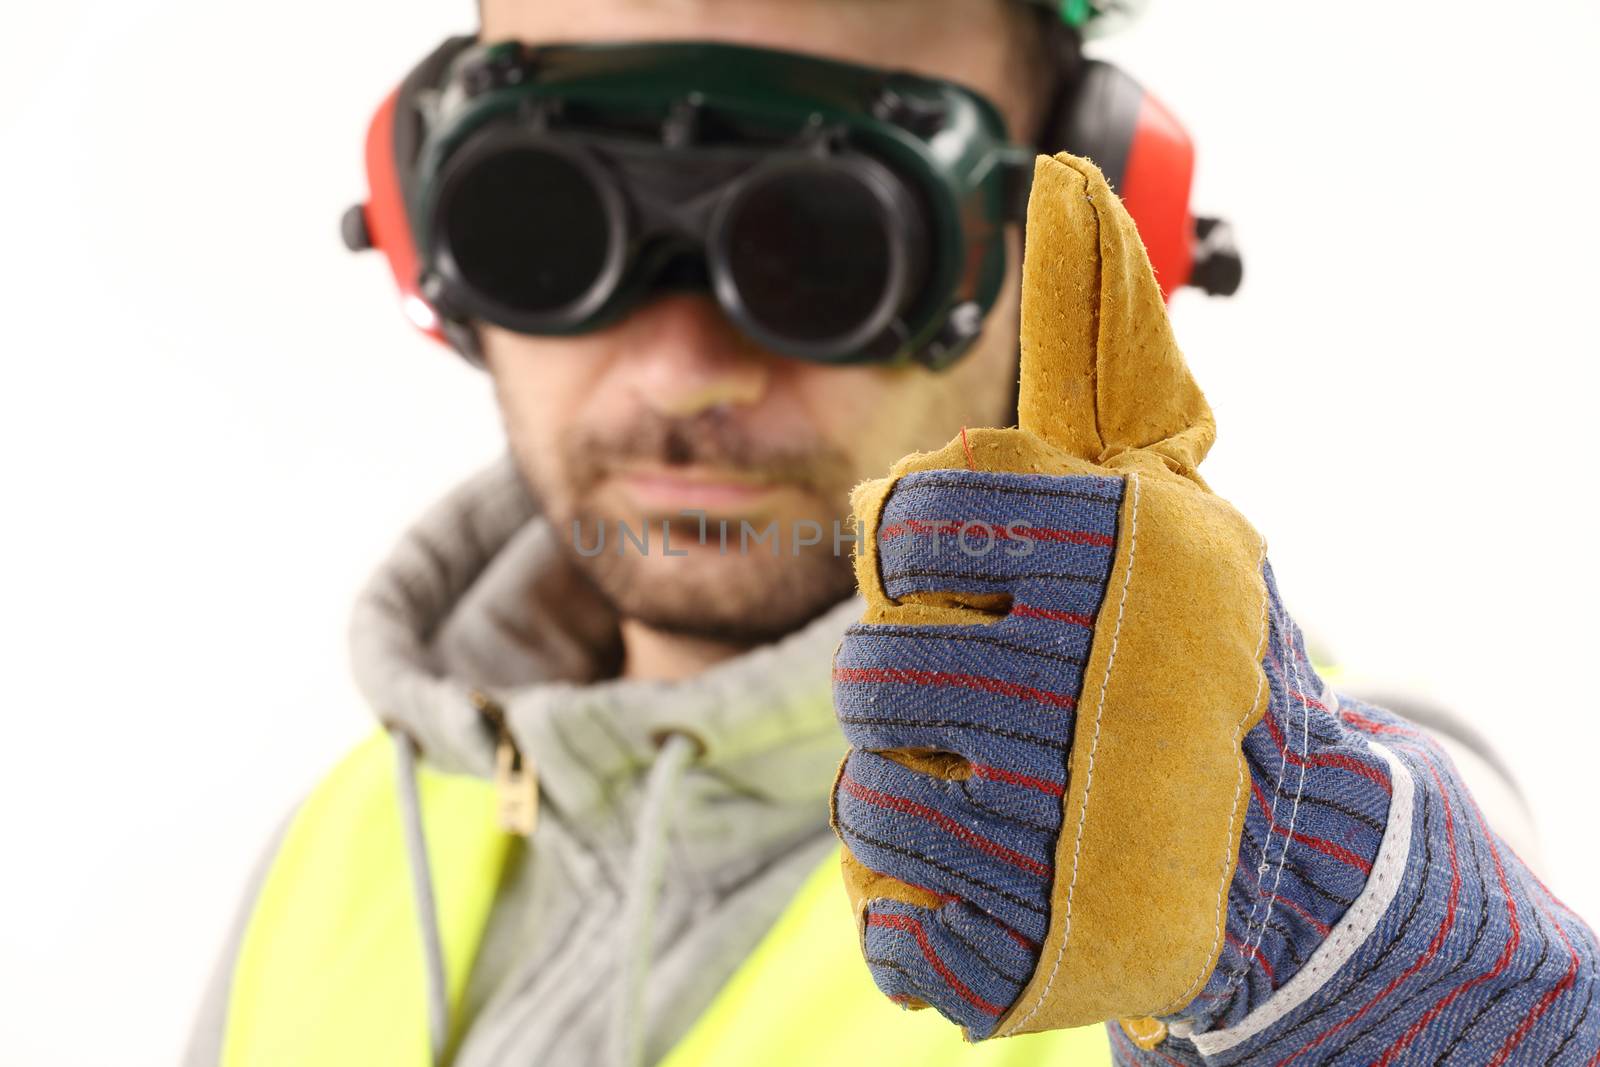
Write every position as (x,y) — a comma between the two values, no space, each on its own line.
(1061,652)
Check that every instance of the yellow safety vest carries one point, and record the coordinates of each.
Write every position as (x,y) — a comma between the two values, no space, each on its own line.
(330,970)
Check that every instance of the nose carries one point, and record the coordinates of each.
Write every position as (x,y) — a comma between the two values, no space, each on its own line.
(685,357)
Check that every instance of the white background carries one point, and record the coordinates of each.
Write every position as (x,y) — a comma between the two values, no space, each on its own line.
(213,421)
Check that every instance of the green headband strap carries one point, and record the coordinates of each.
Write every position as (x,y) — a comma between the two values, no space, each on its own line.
(1075,12)
(1088,15)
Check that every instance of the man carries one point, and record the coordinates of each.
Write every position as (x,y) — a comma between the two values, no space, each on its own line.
(656,708)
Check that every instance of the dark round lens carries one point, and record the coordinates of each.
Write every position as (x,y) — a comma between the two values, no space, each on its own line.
(808,251)
(527,228)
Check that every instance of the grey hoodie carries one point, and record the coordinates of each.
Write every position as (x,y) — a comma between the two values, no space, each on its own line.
(654,869)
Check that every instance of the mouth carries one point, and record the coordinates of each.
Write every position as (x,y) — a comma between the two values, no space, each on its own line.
(713,490)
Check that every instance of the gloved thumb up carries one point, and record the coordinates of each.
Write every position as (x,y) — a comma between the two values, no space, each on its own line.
(1061,651)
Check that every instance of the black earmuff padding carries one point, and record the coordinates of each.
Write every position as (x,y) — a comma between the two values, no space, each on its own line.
(1098,118)
(408,125)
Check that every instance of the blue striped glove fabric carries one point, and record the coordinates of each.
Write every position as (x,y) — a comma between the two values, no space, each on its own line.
(1002,696)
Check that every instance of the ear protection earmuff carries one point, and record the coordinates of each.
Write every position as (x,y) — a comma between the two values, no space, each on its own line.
(384,222)
(1148,158)
(1101,113)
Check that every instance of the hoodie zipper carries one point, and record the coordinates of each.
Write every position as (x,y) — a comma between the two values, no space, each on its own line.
(516,781)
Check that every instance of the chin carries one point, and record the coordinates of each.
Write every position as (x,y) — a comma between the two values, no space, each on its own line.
(737,599)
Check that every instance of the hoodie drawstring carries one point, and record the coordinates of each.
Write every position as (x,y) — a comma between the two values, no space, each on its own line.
(405,760)
(646,867)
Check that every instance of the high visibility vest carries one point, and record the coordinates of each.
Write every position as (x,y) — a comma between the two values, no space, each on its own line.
(330,970)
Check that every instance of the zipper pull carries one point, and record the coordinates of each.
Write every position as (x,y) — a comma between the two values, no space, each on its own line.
(516,782)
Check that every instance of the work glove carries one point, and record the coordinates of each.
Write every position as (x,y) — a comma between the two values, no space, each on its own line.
(1093,773)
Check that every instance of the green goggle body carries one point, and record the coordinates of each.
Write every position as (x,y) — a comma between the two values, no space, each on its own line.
(837,213)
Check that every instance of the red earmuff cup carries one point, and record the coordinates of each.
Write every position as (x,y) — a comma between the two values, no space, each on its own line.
(388,226)
(1155,190)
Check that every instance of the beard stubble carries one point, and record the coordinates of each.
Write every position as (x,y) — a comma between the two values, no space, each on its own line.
(745,597)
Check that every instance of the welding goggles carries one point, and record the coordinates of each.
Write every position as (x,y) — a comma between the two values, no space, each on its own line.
(837,213)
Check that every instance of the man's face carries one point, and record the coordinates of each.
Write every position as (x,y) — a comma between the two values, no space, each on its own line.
(674,410)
